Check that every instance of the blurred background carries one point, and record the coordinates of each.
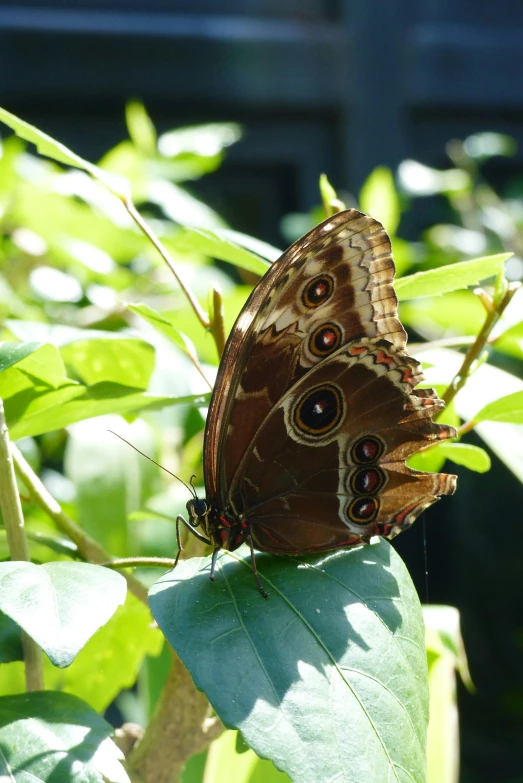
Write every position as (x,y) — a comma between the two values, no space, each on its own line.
(424,96)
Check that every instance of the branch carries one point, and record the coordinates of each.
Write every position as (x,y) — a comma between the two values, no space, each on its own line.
(494,313)
(88,548)
(180,727)
(17,543)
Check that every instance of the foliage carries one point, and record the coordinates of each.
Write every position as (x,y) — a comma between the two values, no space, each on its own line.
(98,336)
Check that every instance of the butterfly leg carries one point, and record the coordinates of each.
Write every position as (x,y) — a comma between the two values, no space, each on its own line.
(179,521)
(255,570)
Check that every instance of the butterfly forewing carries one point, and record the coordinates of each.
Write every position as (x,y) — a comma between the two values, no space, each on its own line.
(331,286)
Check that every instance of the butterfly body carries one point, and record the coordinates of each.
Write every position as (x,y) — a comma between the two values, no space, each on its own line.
(315,409)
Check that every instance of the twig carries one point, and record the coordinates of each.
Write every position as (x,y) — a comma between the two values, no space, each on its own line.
(476,349)
(149,233)
(18,547)
(87,546)
(133,562)
(217,327)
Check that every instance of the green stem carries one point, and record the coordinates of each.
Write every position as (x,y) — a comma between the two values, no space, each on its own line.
(133,562)
(217,327)
(149,233)
(11,508)
(87,546)
(476,349)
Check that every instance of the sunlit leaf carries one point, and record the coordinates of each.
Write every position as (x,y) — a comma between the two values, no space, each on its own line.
(450,278)
(378,197)
(49,737)
(140,127)
(508,408)
(471,457)
(60,604)
(48,146)
(212,244)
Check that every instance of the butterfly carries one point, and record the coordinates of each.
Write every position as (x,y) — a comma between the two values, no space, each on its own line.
(315,409)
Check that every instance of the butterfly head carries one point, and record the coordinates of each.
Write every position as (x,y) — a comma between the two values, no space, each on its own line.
(198,511)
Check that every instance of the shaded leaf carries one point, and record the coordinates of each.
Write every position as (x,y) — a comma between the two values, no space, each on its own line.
(449,278)
(10,640)
(334,661)
(60,604)
(50,737)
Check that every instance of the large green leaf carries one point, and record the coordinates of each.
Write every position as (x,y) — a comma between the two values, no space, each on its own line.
(328,678)
(50,737)
(449,278)
(48,146)
(60,604)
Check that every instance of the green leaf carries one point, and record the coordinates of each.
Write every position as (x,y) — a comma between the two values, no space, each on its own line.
(472,457)
(111,479)
(48,146)
(60,604)
(511,341)
(449,278)
(28,365)
(12,353)
(165,327)
(445,655)
(128,362)
(10,641)
(224,762)
(38,411)
(206,140)
(50,737)
(141,128)
(111,659)
(333,662)
(378,197)
(216,245)
(508,408)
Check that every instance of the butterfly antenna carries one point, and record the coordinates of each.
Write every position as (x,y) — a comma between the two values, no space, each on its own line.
(191,490)
(192,485)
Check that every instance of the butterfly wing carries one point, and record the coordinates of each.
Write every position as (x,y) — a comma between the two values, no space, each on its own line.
(327,466)
(329,287)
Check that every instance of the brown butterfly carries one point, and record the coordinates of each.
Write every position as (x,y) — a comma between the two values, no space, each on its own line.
(315,410)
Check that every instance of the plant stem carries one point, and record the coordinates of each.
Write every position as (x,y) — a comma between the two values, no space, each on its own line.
(217,327)
(133,562)
(149,233)
(180,727)
(87,546)
(476,349)
(17,542)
